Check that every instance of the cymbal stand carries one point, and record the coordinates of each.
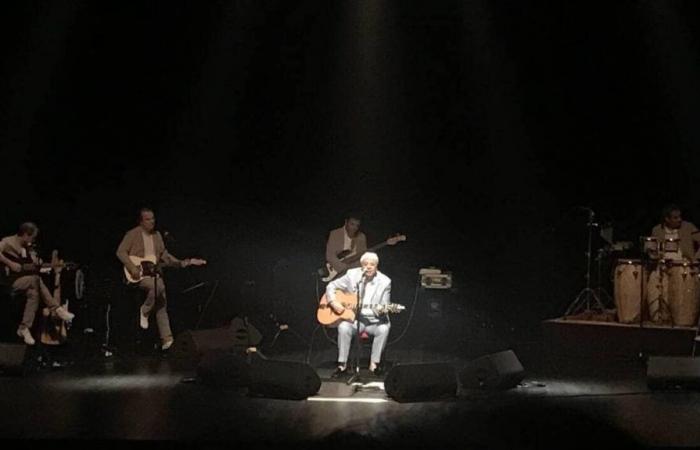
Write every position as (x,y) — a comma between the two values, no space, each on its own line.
(587,294)
(599,289)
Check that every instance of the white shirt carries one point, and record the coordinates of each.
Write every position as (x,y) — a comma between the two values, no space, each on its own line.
(347,241)
(149,248)
(369,290)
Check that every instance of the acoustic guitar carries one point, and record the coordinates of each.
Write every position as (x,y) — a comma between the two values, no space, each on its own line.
(327,273)
(30,267)
(328,317)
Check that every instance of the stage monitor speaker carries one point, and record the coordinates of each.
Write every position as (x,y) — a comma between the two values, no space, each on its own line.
(239,334)
(673,372)
(223,368)
(500,370)
(421,382)
(282,379)
(12,359)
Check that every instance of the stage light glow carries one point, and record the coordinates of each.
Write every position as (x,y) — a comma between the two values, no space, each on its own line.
(116,383)
(347,400)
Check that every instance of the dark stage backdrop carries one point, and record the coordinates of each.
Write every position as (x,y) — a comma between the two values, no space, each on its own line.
(475,128)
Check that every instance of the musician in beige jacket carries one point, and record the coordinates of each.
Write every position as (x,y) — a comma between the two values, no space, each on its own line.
(672,226)
(348,237)
(144,241)
(14,249)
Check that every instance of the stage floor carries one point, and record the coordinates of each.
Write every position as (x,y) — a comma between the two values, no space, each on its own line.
(562,403)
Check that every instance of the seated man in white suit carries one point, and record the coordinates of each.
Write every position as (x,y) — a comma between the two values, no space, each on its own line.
(374,289)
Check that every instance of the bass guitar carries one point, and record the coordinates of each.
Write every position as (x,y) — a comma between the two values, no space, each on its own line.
(328,317)
(327,272)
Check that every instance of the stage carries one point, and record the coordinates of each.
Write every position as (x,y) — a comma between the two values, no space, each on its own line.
(563,401)
(597,339)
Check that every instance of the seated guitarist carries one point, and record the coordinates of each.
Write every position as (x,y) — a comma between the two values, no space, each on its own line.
(14,252)
(346,238)
(375,288)
(144,241)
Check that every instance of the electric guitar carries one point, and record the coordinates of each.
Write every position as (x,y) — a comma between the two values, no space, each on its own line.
(328,317)
(148,267)
(327,272)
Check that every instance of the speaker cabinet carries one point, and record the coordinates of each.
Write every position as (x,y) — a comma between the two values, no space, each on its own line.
(421,382)
(282,379)
(673,372)
(500,370)
(240,334)
(12,359)
(223,368)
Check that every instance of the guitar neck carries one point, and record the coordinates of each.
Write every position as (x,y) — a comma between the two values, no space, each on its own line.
(355,258)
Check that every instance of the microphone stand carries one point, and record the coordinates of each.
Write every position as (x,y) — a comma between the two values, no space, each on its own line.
(358,347)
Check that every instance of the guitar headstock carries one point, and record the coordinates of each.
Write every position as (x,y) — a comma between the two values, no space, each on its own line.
(396,239)
(197,262)
(392,308)
(56,262)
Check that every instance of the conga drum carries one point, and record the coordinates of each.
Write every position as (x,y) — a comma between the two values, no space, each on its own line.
(684,292)
(628,290)
(656,294)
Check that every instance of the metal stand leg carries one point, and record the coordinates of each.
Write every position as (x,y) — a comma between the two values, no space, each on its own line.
(584,297)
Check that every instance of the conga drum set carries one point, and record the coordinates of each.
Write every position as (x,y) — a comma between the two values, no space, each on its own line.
(652,288)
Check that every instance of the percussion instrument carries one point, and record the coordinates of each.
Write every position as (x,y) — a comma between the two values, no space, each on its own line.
(650,247)
(628,289)
(684,292)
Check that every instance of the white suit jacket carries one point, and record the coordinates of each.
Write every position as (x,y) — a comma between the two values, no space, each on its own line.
(379,290)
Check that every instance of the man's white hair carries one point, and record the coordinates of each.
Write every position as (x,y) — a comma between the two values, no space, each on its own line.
(369,256)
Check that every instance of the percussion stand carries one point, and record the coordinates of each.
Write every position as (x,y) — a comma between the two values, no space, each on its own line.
(584,297)
(663,304)
(660,264)
(600,290)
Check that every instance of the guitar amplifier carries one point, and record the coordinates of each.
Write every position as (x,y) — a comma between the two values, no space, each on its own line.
(432,278)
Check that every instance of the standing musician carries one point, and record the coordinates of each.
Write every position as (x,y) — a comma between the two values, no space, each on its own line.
(348,237)
(143,242)
(15,253)
(375,288)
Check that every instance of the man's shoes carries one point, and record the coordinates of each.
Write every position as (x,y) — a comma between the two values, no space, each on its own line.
(167,344)
(64,314)
(377,372)
(25,334)
(143,320)
(339,372)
